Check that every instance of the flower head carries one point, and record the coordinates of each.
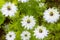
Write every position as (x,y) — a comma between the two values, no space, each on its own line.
(9,9)
(28,22)
(51,15)
(10,36)
(25,35)
(40,32)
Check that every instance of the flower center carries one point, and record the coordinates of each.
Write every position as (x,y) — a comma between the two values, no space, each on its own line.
(40,31)
(25,35)
(28,21)
(51,13)
(8,8)
(10,35)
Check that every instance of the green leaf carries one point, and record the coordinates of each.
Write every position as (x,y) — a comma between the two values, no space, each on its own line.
(2,18)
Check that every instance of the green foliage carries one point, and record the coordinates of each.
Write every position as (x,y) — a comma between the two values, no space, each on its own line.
(2,18)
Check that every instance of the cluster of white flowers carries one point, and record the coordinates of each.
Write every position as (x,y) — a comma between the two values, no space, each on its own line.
(28,22)
(40,32)
(51,15)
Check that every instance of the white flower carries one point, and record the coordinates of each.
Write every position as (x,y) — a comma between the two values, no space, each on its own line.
(9,9)
(51,15)
(23,0)
(28,22)
(40,32)
(10,36)
(41,4)
(25,35)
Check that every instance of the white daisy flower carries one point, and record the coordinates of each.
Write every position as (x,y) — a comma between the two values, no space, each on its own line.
(23,1)
(51,15)
(40,32)
(41,4)
(10,36)
(28,22)
(9,9)
(25,35)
